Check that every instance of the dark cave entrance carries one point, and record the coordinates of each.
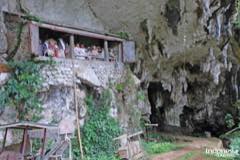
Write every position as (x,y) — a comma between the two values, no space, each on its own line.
(160,101)
(158,98)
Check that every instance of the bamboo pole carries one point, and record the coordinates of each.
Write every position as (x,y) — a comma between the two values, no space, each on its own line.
(75,98)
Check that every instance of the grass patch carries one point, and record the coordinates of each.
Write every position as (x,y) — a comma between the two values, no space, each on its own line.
(161,147)
(160,137)
(188,156)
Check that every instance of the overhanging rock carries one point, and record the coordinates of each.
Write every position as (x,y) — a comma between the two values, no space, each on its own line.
(88,76)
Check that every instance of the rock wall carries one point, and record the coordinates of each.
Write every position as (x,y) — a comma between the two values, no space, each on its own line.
(187,52)
(188,58)
(92,77)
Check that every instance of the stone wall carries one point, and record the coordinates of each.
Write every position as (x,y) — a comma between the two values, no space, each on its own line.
(88,72)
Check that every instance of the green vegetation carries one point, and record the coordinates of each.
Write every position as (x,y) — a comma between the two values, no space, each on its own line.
(98,131)
(188,156)
(21,90)
(140,95)
(161,147)
(37,144)
(237,21)
(127,84)
(235,145)
(234,135)
(229,120)
(123,35)
(20,28)
(119,87)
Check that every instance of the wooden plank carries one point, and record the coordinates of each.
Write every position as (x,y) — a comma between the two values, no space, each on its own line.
(34,36)
(78,32)
(135,134)
(22,125)
(151,125)
(129,55)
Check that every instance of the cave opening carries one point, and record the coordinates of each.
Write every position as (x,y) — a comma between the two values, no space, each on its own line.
(194,118)
(158,98)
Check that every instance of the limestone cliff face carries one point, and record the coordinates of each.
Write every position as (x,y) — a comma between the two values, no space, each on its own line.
(187,52)
(92,77)
(186,57)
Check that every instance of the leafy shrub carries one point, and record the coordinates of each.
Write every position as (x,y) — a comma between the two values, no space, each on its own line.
(229,120)
(237,21)
(98,131)
(119,87)
(235,145)
(140,95)
(22,89)
(123,35)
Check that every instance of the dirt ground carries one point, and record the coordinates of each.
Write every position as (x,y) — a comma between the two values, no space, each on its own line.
(194,146)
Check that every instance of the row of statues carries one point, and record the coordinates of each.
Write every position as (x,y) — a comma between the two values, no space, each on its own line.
(81,52)
(60,49)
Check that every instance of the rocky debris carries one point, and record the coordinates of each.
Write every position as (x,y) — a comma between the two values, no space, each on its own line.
(4,78)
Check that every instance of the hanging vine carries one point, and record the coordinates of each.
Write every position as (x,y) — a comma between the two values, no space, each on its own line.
(12,53)
(27,16)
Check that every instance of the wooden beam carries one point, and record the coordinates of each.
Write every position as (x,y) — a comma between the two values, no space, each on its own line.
(78,32)
(151,125)
(106,51)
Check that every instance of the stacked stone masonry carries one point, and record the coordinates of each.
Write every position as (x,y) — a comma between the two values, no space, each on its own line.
(93,73)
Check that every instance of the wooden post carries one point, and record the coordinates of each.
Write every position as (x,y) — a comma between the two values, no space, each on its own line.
(147,134)
(120,53)
(23,146)
(44,141)
(72,46)
(106,52)
(4,140)
(34,34)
